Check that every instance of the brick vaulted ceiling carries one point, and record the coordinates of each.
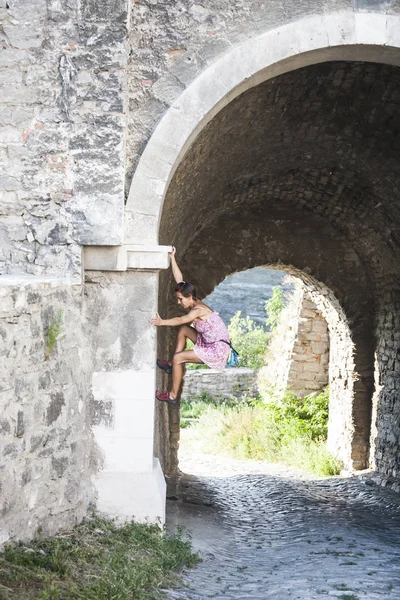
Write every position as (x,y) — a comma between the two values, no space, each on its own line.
(320,145)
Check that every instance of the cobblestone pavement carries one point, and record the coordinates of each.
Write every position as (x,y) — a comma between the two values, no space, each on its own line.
(265,531)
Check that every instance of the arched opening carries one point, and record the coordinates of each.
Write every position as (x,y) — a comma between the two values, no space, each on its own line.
(349,408)
(292,358)
(287,174)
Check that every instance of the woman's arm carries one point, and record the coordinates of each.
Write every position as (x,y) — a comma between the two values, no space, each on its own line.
(191,316)
(177,273)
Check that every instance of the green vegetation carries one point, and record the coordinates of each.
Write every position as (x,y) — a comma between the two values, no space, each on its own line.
(274,307)
(290,430)
(97,560)
(193,410)
(249,340)
(53,334)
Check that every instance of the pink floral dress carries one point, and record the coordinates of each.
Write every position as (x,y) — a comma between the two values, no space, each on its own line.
(208,347)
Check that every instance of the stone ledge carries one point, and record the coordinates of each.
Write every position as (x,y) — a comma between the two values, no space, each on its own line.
(121,258)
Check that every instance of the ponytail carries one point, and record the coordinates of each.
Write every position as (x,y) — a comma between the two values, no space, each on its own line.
(186,289)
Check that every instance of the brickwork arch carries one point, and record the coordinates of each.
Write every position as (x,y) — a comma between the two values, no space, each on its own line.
(345,305)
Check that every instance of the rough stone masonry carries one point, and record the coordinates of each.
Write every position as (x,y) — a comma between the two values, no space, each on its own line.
(300,172)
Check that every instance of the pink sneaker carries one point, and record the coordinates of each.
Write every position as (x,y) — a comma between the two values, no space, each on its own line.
(164,365)
(165,397)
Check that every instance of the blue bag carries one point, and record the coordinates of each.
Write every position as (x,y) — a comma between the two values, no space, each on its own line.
(233,355)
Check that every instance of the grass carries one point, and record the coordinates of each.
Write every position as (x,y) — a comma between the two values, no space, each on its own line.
(289,431)
(53,334)
(98,560)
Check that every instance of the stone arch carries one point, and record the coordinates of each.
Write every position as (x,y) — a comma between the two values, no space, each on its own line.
(370,251)
(348,434)
(348,316)
(349,35)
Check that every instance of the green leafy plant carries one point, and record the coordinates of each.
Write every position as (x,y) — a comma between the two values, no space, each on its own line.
(53,334)
(274,307)
(249,339)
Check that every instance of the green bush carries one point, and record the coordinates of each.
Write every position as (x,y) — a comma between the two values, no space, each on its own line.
(274,307)
(291,430)
(249,340)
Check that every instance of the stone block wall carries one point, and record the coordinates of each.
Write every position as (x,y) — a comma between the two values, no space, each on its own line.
(62,139)
(45,443)
(309,368)
(230,383)
(298,356)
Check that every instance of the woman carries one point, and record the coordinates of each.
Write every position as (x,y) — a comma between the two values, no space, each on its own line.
(209,335)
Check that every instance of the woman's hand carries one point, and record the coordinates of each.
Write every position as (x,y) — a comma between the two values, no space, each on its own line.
(157,321)
(176,272)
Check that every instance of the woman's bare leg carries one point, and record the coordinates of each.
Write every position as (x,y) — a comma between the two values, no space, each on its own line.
(185,332)
(178,364)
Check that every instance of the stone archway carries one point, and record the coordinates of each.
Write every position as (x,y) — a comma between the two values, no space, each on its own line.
(183,194)
(331,197)
(281,242)
(350,35)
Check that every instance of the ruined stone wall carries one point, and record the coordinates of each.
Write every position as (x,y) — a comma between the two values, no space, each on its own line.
(45,442)
(309,369)
(297,359)
(230,383)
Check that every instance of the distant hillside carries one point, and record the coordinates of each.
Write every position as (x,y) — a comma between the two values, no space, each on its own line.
(247,291)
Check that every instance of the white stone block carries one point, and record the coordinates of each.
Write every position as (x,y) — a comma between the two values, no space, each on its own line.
(370,28)
(393,32)
(340,28)
(131,418)
(146,257)
(133,495)
(130,385)
(125,454)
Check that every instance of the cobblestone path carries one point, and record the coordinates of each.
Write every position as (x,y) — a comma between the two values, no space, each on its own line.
(265,531)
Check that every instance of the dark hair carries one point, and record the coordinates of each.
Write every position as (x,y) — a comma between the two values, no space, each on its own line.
(186,289)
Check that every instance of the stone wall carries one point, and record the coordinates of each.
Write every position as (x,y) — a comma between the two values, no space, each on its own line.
(230,383)
(46,443)
(298,356)
(61,132)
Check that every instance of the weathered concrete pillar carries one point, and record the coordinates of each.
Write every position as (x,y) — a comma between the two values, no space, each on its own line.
(120,305)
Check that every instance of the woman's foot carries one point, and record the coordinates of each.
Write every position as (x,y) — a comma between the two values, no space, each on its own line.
(165,397)
(164,365)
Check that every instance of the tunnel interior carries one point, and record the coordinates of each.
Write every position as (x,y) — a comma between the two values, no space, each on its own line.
(301,173)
